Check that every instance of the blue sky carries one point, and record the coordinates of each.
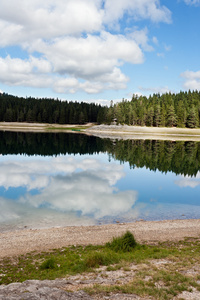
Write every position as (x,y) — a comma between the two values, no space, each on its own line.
(99,50)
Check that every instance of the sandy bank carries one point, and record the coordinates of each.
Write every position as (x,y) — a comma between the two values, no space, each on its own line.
(109,131)
(24,241)
(137,132)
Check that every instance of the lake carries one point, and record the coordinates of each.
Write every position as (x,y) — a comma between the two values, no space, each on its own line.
(65,179)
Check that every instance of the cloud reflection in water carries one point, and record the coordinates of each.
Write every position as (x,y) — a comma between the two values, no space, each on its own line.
(188,181)
(83,187)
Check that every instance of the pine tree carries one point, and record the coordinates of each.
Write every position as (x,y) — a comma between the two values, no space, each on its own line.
(193,118)
(157,116)
(181,114)
(171,117)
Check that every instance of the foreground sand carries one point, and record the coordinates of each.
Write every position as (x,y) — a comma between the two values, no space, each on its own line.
(27,240)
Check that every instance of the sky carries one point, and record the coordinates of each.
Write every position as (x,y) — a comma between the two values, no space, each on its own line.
(99,50)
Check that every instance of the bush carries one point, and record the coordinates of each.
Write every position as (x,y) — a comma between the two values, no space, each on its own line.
(48,264)
(125,243)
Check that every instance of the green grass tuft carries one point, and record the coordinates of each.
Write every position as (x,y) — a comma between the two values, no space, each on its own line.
(48,264)
(125,243)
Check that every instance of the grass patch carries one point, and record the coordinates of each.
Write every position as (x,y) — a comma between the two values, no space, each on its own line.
(124,243)
(161,271)
(67,128)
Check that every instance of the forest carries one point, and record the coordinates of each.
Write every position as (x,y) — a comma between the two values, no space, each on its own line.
(15,109)
(166,110)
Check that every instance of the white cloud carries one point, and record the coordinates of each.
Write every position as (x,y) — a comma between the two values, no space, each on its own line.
(96,60)
(151,90)
(34,19)
(155,40)
(92,56)
(142,9)
(141,38)
(32,72)
(192,80)
(192,2)
(77,53)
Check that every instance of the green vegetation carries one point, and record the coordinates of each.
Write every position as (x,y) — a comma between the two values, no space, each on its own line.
(167,110)
(67,128)
(125,243)
(161,271)
(15,109)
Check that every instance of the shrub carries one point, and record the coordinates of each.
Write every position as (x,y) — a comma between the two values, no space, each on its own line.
(125,243)
(48,264)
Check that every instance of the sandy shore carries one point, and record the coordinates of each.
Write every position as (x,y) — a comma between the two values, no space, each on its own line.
(109,131)
(24,241)
(137,132)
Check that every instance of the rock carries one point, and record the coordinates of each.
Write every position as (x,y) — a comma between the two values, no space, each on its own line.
(40,290)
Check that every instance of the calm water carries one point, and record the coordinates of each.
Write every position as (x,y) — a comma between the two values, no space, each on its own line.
(71,179)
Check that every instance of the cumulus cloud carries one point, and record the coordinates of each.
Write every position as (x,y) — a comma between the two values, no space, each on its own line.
(75,50)
(142,9)
(191,80)
(141,37)
(34,19)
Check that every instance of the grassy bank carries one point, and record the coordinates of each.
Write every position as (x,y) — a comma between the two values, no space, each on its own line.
(161,271)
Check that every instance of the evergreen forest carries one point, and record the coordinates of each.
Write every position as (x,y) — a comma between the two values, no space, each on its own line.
(15,109)
(166,110)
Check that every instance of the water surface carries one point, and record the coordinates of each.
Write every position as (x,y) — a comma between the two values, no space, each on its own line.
(72,179)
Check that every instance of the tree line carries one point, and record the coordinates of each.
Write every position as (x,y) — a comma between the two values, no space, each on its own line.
(166,110)
(16,109)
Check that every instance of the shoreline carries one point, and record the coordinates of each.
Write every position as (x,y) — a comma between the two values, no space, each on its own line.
(142,132)
(14,243)
(109,131)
